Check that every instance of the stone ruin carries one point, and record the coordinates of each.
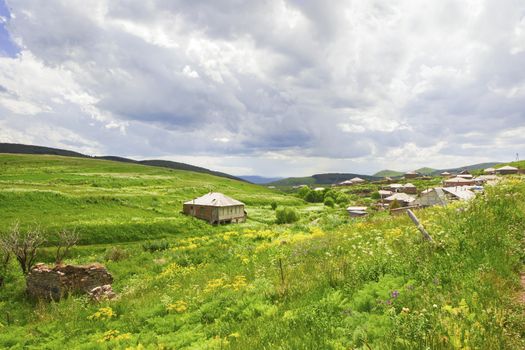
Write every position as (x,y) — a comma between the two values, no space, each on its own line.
(54,283)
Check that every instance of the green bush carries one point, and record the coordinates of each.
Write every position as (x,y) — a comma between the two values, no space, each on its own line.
(273,205)
(155,246)
(286,215)
(329,202)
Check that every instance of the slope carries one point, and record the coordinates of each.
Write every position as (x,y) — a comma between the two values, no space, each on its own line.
(14,148)
(110,201)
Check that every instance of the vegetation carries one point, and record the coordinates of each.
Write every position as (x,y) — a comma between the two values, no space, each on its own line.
(286,215)
(323,282)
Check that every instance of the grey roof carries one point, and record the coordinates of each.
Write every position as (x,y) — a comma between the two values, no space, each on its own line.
(458,180)
(409,185)
(507,167)
(357,179)
(460,193)
(215,199)
(432,196)
(400,197)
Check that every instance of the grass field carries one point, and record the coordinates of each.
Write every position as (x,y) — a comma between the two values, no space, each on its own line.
(326,282)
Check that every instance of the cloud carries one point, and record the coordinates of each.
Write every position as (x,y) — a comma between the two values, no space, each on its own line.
(346,87)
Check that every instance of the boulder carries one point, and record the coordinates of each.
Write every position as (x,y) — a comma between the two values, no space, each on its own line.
(54,283)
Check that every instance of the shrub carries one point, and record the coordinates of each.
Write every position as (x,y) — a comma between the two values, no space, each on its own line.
(155,246)
(395,204)
(329,202)
(115,254)
(286,215)
(273,205)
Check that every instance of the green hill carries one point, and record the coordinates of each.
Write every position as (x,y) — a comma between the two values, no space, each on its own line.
(426,171)
(389,173)
(110,201)
(15,148)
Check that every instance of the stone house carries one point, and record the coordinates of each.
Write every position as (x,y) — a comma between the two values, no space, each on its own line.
(216,208)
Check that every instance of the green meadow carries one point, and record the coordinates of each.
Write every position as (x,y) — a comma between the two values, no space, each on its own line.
(323,282)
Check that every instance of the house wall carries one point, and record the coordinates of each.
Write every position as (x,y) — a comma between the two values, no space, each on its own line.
(203,212)
(233,213)
(507,172)
(214,214)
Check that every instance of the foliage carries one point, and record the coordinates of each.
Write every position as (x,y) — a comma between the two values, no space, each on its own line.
(329,202)
(155,246)
(66,240)
(286,215)
(273,205)
(325,282)
(395,204)
(23,245)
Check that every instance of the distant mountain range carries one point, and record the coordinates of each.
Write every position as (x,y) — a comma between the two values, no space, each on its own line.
(29,149)
(321,179)
(431,171)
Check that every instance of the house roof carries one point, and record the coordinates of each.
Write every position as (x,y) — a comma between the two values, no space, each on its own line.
(411,173)
(395,186)
(458,180)
(488,170)
(215,199)
(460,193)
(400,197)
(384,192)
(427,198)
(507,167)
(346,182)
(357,179)
(357,209)
(445,173)
(409,185)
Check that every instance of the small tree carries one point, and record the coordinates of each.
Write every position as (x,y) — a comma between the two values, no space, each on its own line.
(395,204)
(286,215)
(5,257)
(23,246)
(329,202)
(273,205)
(66,240)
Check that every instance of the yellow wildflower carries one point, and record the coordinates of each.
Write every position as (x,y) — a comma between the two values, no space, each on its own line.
(179,307)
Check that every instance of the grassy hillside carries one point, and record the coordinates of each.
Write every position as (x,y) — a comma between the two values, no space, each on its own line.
(110,201)
(15,148)
(390,173)
(326,282)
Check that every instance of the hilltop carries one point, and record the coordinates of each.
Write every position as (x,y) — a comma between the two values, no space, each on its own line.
(15,148)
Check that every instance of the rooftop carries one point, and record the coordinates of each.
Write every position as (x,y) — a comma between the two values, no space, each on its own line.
(215,199)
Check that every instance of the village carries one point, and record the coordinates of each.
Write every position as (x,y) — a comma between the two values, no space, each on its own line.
(395,195)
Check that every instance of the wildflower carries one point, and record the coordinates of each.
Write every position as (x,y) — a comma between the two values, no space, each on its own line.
(179,307)
(104,313)
(434,306)
(405,310)
(235,335)
(239,282)
(395,294)
(214,284)
(114,335)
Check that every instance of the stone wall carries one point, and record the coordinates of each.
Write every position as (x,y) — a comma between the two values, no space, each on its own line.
(45,282)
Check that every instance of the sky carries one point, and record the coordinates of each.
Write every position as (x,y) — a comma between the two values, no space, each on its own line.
(271,88)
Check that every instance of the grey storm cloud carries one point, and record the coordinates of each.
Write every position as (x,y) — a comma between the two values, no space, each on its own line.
(345,81)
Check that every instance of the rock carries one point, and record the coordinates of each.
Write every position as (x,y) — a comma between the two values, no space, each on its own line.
(54,283)
(104,292)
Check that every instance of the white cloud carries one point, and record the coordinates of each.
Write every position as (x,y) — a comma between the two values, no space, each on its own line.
(275,87)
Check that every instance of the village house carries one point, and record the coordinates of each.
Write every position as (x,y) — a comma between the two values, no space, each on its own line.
(402,198)
(431,197)
(357,180)
(395,187)
(507,170)
(357,211)
(458,181)
(489,171)
(216,208)
(409,188)
(482,179)
(446,174)
(411,175)
(459,193)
